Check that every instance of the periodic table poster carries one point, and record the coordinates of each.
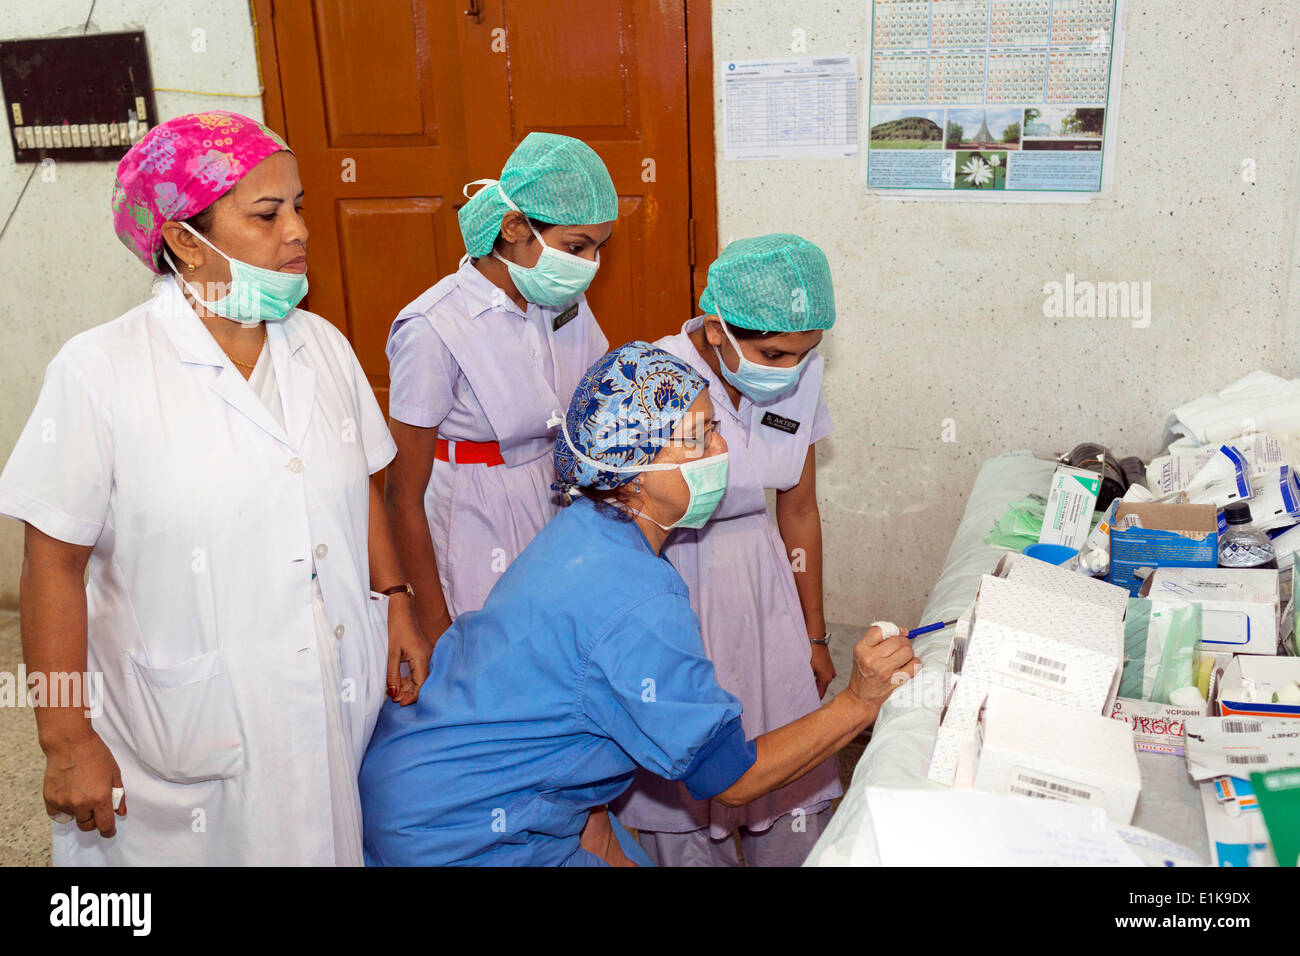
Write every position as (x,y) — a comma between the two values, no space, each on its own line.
(992,99)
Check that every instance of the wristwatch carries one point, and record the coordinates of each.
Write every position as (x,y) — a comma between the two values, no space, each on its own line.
(824,642)
(398,589)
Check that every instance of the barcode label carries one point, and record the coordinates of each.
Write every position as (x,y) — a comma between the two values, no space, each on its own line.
(1242,727)
(1036,672)
(1060,790)
(1040,661)
(1031,793)
(1242,759)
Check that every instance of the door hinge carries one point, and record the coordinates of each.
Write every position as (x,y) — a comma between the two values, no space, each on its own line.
(690,238)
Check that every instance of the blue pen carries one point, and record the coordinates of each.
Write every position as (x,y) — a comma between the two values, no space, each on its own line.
(918,631)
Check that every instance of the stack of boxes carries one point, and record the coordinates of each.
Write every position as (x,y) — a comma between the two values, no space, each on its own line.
(1037,661)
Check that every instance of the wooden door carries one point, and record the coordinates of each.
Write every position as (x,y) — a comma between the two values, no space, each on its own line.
(393,105)
(372,107)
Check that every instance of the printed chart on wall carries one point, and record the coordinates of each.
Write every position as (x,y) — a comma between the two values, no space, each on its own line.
(992,100)
(802,108)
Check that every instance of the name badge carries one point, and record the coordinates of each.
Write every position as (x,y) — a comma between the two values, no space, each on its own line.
(565,317)
(780,423)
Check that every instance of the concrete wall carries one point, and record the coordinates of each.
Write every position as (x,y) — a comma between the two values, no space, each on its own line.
(61,268)
(941,305)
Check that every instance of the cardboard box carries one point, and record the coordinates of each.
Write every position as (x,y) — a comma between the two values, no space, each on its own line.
(1046,644)
(1163,536)
(1035,748)
(961,638)
(1157,728)
(1070,504)
(1030,640)
(1240,607)
(1263,675)
(1070,584)
(1235,840)
(1235,746)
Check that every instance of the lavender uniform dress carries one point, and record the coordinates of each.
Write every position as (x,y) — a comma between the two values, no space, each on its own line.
(464,358)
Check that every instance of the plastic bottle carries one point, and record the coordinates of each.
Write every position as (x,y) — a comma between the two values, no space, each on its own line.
(1241,546)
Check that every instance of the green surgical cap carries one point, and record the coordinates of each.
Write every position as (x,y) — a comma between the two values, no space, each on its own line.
(775,283)
(552,178)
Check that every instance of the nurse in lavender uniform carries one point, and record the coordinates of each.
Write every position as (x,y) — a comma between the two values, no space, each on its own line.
(755,583)
(479,362)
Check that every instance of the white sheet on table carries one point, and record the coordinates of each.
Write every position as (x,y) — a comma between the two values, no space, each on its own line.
(973,828)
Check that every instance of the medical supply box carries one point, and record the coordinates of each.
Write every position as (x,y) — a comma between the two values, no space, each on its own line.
(1071,584)
(1046,643)
(1248,684)
(1034,748)
(1070,504)
(1240,607)
(1157,728)
(1030,639)
(1148,535)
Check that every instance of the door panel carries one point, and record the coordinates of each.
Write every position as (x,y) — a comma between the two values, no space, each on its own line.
(369,55)
(385,244)
(572,75)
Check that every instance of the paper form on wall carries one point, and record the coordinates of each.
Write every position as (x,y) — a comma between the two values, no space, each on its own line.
(991,100)
(803,108)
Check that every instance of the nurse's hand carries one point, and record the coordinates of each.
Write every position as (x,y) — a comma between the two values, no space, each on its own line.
(822,667)
(880,665)
(79,781)
(598,838)
(406,645)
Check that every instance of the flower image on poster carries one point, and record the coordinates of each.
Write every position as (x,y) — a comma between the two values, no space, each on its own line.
(981,170)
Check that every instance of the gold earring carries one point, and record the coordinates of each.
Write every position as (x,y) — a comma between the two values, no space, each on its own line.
(191,267)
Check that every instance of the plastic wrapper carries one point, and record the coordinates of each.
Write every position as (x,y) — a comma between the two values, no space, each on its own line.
(1162,649)
(1022,524)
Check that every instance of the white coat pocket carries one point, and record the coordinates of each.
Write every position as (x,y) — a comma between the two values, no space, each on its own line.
(378,605)
(183,719)
(377,608)
(376,668)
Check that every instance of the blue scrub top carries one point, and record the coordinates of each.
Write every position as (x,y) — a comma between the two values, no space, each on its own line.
(585,663)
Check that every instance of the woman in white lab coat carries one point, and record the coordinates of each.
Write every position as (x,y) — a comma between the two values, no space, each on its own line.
(207,457)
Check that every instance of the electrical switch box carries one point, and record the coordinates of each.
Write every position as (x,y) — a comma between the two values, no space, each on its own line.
(77,98)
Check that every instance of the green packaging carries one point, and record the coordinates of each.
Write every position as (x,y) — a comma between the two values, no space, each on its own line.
(1278,792)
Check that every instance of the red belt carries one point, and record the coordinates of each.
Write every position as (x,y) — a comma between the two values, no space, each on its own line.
(468,452)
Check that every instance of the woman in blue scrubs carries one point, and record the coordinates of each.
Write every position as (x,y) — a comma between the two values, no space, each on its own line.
(586,662)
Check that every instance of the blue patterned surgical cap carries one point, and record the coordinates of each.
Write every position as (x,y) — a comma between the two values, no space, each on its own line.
(624,410)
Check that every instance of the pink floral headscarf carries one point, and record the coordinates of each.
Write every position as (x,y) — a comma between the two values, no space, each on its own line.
(180,168)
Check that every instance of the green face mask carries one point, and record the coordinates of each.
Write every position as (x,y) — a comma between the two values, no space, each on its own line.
(256,294)
(706,479)
(558,278)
